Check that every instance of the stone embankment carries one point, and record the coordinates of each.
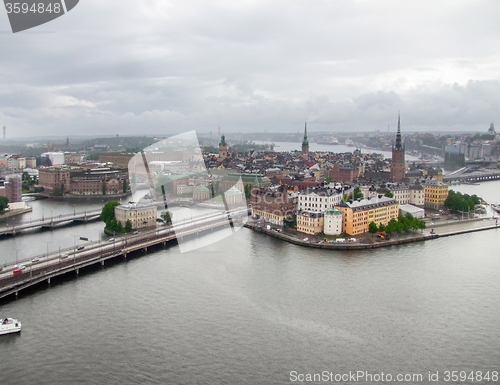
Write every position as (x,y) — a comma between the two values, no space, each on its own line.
(444,230)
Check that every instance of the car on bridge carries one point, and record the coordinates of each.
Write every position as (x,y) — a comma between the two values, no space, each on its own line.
(19,269)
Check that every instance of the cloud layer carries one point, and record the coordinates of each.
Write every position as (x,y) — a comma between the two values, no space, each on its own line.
(165,67)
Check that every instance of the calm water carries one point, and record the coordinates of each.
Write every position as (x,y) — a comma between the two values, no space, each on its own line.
(250,309)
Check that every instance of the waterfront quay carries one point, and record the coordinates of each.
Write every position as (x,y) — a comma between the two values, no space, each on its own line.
(369,241)
(41,270)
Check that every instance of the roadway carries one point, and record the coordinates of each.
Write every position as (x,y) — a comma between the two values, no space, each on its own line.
(41,267)
(83,216)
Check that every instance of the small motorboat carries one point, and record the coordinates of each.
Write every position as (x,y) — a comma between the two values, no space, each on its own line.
(9,325)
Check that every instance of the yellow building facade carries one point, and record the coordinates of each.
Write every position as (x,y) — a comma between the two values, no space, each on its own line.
(310,222)
(358,215)
(436,193)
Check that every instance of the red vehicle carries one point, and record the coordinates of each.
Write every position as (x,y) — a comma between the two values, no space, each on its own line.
(19,269)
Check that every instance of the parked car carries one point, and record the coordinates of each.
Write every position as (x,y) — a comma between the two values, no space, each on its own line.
(306,239)
(135,232)
(80,247)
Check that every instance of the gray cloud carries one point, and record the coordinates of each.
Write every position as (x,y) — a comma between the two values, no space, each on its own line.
(166,67)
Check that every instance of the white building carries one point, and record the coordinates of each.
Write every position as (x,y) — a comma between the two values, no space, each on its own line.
(56,158)
(401,192)
(332,222)
(417,212)
(183,189)
(417,194)
(318,199)
(139,215)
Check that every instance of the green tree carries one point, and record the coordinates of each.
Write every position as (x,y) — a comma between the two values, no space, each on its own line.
(128,226)
(125,186)
(290,222)
(389,194)
(26,177)
(56,192)
(248,191)
(461,202)
(357,194)
(108,212)
(372,228)
(166,216)
(4,203)
(391,226)
(382,227)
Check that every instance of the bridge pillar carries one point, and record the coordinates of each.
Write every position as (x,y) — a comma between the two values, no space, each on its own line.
(48,281)
(102,263)
(125,255)
(16,293)
(77,271)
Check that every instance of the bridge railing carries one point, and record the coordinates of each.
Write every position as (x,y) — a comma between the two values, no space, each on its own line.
(52,218)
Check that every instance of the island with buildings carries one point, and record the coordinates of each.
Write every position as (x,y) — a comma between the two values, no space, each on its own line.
(304,193)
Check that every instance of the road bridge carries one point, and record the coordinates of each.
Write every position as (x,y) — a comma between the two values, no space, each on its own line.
(44,268)
(473,176)
(51,222)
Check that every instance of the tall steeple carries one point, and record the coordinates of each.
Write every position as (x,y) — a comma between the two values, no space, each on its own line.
(305,142)
(398,165)
(398,135)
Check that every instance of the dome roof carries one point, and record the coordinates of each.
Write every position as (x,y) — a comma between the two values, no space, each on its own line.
(233,191)
(333,212)
(201,188)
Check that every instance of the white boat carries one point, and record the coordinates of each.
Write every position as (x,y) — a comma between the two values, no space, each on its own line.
(9,325)
(328,140)
(495,207)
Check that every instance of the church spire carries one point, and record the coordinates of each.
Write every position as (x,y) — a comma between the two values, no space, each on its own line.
(398,135)
(305,142)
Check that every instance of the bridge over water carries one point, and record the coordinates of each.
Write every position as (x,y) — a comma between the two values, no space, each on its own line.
(82,217)
(473,176)
(43,269)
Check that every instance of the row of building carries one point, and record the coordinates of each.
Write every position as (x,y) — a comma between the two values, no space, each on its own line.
(326,210)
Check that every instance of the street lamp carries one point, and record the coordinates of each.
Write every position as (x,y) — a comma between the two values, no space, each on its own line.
(74,248)
(47,255)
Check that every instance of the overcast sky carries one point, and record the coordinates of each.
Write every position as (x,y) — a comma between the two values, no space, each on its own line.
(164,67)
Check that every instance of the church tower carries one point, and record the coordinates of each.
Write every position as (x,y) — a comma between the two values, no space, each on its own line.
(398,157)
(305,143)
(222,148)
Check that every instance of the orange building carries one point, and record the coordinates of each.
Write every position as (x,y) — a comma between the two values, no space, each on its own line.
(358,215)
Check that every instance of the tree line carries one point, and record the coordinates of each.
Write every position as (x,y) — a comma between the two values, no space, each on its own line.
(405,222)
